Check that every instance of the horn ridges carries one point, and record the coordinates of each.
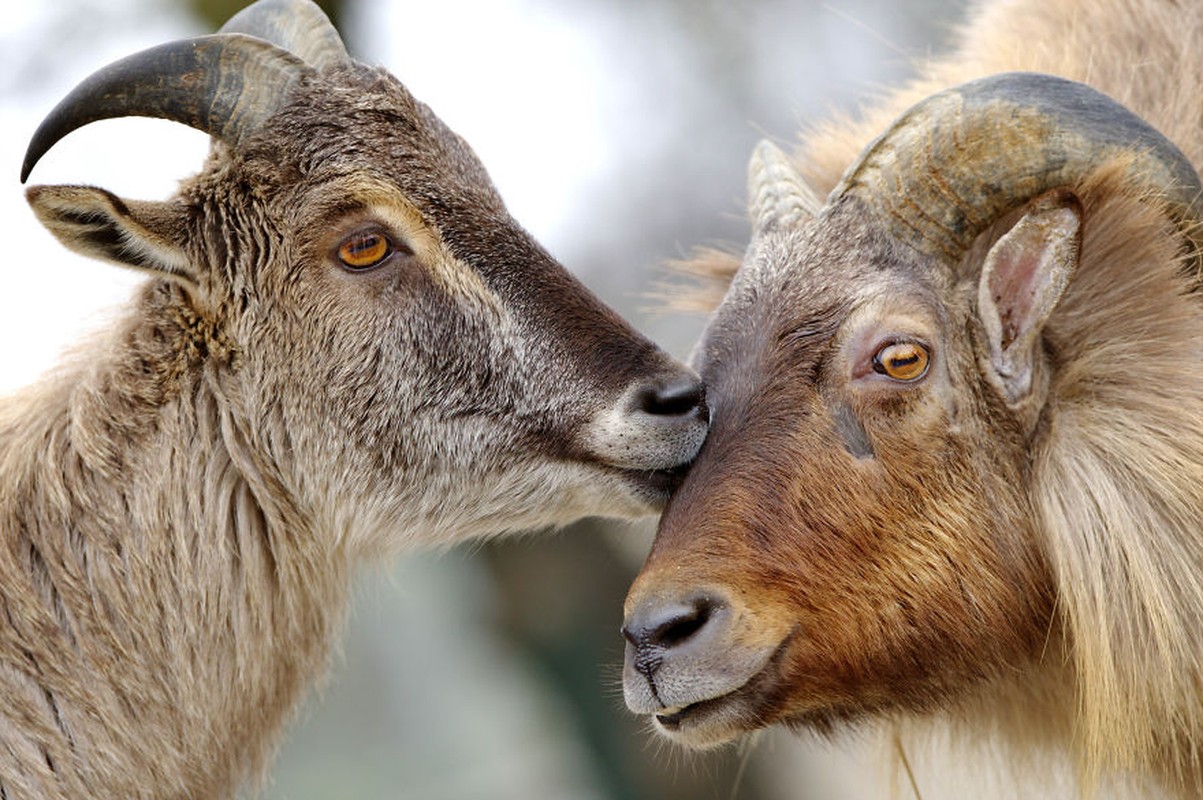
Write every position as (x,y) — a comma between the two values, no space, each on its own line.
(777,195)
(225,85)
(956,161)
(298,26)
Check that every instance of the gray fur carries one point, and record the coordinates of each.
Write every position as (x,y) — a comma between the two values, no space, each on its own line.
(183,503)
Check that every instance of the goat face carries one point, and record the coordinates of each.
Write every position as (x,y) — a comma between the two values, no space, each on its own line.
(382,330)
(856,536)
(845,539)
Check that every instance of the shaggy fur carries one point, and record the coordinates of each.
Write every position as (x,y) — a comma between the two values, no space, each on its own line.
(183,503)
(1109,566)
(1133,602)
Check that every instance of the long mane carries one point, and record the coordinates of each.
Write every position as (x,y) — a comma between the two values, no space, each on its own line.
(1117,477)
(1118,486)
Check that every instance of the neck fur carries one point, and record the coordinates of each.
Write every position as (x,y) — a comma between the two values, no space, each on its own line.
(166,602)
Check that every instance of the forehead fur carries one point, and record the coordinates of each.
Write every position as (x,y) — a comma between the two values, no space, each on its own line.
(360,118)
(798,283)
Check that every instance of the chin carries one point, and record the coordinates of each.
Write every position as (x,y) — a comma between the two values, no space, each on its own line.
(706,725)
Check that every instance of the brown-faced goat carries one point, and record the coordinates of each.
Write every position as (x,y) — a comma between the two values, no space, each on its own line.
(346,347)
(955,475)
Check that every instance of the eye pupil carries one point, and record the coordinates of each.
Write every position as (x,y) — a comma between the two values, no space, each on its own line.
(364,250)
(902,361)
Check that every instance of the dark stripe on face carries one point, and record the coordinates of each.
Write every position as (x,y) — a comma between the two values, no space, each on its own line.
(856,439)
(544,294)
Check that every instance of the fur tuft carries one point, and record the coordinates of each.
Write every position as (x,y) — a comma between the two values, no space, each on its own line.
(1117,466)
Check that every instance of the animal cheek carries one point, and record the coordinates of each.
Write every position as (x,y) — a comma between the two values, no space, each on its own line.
(762,614)
(764,621)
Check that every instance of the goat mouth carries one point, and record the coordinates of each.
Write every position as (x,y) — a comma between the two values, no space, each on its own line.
(671,719)
(718,720)
(657,484)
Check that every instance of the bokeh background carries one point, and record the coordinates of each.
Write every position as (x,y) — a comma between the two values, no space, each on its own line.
(618,132)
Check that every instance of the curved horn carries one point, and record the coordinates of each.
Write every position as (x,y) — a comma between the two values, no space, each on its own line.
(298,26)
(777,195)
(225,85)
(953,163)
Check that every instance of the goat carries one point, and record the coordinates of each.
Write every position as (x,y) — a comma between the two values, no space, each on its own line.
(954,479)
(346,348)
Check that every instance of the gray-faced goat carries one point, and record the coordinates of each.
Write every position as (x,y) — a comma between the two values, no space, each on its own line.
(955,474)
(346,347)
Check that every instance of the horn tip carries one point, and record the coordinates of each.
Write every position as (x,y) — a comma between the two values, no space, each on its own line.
(766,147)
(765,152)
(32,156)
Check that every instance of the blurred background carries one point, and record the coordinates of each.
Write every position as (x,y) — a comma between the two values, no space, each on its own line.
(618,133)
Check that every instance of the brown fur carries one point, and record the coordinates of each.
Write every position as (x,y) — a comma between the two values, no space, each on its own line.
(183,503)
(1031,576)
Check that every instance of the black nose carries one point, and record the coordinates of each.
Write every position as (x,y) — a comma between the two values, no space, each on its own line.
(673,396)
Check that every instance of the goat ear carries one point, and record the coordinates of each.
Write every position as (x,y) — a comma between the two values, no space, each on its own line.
(1022,279)
(99,224)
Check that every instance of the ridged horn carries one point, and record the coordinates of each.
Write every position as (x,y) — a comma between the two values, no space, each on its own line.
(956,161)
(777,195)
(298,26)
(225,85)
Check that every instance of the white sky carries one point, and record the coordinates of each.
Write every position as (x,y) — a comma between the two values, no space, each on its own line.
(537,116)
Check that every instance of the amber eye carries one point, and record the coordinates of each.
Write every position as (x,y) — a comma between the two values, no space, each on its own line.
(362,251)
(902,361)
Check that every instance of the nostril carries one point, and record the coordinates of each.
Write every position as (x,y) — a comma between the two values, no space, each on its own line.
(676,631)
(654,428)
(665,627)
(677,396)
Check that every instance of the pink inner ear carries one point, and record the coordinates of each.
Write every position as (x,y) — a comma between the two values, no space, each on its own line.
(1022,279)
(1012,285)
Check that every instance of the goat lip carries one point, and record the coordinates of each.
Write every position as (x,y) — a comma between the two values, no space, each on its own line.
(658,482)
(671,719)
(716,720)
(713,721)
